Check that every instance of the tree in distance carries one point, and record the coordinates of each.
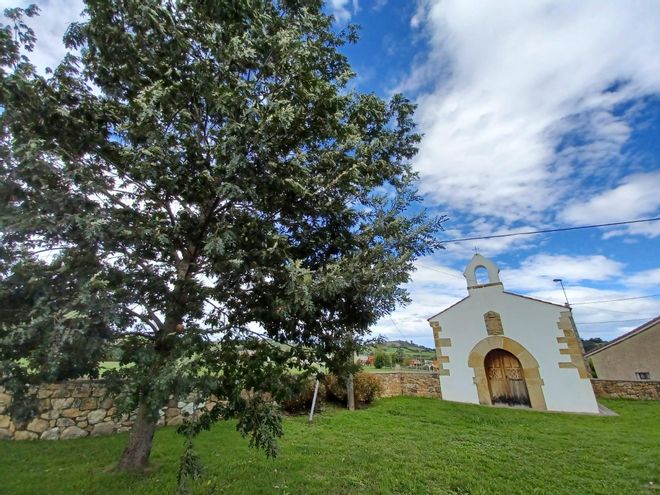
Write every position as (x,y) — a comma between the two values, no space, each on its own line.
(196,186)
(382,360)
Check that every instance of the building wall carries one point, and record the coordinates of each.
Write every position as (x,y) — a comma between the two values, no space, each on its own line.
(532,324)
(641,352)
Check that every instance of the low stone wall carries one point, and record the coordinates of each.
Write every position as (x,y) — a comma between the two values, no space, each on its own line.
(78,409)
(411,383)
(626,389)
(81,408)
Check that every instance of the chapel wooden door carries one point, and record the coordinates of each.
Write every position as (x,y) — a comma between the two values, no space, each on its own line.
(505,378)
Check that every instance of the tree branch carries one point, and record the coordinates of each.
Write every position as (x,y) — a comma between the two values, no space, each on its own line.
(144,319)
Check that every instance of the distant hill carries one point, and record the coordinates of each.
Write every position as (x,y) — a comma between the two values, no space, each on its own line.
(593,344)
(408,345)
(410,349)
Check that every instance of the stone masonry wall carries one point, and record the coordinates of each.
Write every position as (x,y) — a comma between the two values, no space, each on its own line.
(413,384)
(78,409)
(626,389)
(82,408)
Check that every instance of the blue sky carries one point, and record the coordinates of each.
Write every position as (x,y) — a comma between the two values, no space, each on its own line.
(535,115)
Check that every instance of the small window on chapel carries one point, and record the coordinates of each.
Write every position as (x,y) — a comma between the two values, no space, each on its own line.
(643,375)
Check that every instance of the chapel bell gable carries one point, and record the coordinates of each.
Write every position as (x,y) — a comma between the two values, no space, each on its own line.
(477,262)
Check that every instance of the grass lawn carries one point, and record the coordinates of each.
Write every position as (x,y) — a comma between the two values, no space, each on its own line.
(399,445)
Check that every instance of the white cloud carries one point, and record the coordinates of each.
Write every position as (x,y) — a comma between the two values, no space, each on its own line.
(49,26)
(378,5)
(343,10)
(436,286)
(651,229)
(635,197)
(538,272)
(647,278)
(487,247)
(505,81)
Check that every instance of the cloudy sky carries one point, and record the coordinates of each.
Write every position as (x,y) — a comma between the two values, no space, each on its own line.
(536,115)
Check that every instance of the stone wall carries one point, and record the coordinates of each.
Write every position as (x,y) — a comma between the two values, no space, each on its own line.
(626,389)
(78,409)
(81,408)
(411,383)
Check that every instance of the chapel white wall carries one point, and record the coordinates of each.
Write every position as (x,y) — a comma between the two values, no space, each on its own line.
(532,324)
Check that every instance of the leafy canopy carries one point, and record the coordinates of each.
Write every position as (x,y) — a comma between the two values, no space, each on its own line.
(196,184)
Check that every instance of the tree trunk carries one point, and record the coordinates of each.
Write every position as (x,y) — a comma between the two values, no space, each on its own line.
(138,449)
(350,392)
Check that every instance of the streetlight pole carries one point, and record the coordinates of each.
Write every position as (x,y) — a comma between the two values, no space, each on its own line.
(561,282)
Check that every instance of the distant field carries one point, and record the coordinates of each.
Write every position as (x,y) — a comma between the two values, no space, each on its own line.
(371,369)
(110,365)
(400,445)
(409,349)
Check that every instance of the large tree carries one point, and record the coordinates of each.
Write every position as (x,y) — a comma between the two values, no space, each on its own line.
(197,185)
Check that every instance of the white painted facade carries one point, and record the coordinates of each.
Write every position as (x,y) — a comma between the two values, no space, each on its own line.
(531,323)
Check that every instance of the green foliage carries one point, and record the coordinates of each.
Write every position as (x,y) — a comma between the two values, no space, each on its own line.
(335,388)
(382,360)
(592,368)
(593,343)
(190,469)
(199,171)
(367,388)
(301,398)
(398,356)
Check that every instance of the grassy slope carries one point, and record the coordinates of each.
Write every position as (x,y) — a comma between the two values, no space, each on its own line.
(400,445)
(409,349)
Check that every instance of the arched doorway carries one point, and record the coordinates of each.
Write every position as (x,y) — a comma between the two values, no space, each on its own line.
(506,381)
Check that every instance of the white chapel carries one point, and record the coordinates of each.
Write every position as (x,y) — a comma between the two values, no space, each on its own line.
(497,347)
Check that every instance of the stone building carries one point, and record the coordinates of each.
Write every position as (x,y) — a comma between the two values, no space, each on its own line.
(496,347)
(633,356)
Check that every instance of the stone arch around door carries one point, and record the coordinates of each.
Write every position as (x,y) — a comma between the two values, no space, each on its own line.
(530,368)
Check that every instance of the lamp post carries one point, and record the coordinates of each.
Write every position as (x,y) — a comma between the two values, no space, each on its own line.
(561,282)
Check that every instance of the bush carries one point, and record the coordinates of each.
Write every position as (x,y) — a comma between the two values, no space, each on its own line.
(367,388)
(592,369)
(382,360)
(335,390)
(301,399)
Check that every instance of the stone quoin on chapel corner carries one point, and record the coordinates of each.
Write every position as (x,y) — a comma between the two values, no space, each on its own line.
(496,347)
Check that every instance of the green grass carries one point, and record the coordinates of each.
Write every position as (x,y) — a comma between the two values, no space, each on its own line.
(398,446)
